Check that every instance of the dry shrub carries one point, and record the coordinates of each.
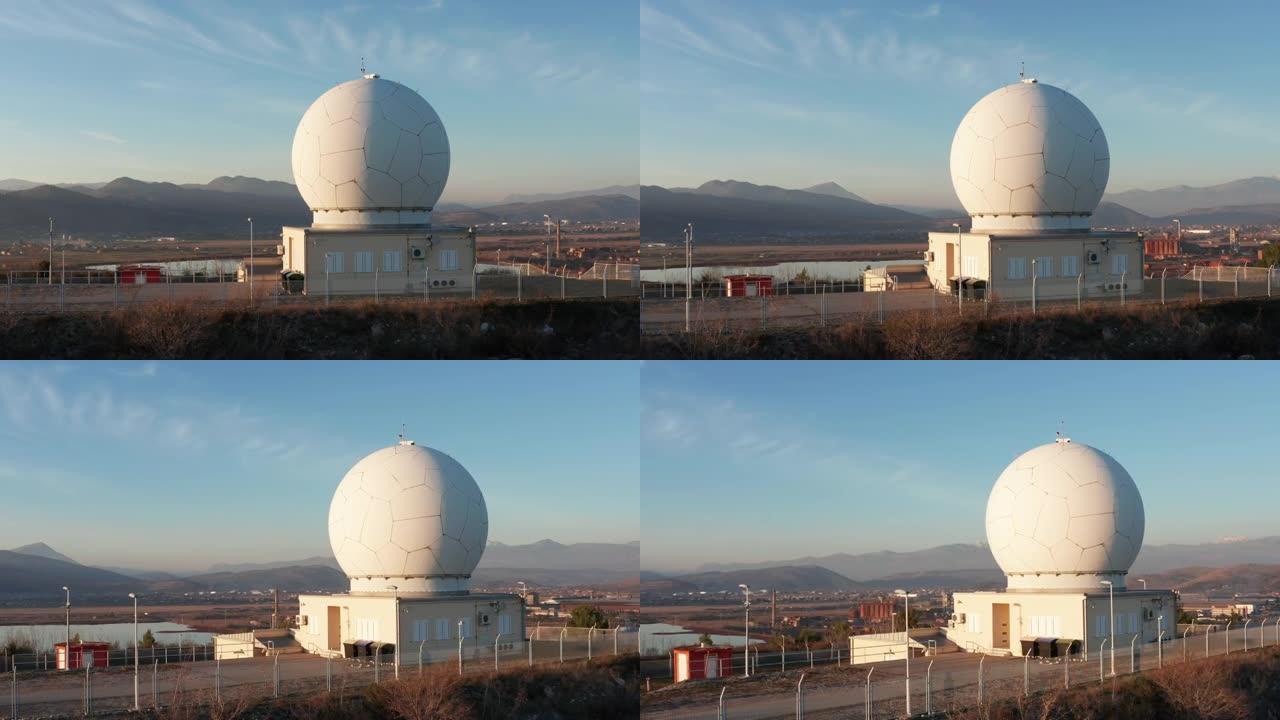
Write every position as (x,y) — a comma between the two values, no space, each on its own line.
(165,330)
(1203,690)
(920,335)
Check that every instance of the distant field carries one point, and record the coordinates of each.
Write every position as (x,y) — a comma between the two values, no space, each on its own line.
(770,253)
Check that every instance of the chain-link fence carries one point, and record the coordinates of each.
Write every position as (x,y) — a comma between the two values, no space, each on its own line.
(671,307)
(951,681)
(163,681)
(97,290)
(106,658)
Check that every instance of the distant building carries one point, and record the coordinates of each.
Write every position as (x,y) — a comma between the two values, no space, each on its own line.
(701,662)
(83,654)
(1161,247)
(875,610)
(747,285)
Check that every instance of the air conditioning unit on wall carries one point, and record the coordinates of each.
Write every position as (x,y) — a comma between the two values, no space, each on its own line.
(417,253)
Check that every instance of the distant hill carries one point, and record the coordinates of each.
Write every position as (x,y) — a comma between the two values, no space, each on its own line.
(789,577)
(37,576)
(295,578)
(724,209)
(552,555)
(591,208)
(631,191)
(546,577)
(1260,214)
(1170,201)
(886,563)
(252,185)
(1247,578)
(938,213)
(42,550)
(835,190)
(1113,215)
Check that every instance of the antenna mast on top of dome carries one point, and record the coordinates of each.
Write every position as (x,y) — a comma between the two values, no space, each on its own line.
(362,72)
(1061,439)
(1022,68)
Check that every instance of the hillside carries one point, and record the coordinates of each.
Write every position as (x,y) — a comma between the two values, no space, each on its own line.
(1113,215)
(316,578)
(1170,201)
(36,576)
(723,211)
(1259,214)
(551,555)
(42,550)
(885,563)
(790,577)
(1246,578)
(592,208)
(631,191)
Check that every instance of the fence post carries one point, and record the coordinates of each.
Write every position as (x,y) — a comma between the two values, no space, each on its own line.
(981,687)
(530,643)
(1162,274)
(563,630)
(1026,676)
(590,631)
(375,285)
(616,628)
(1123,282)
(13,689)
(800,698)
(328,672)
(1102,660)
(460,648)
(1033,286)
(606,286)
(519,285)
(155,684)
(928,689)
(1200,280)
(867,698)
(275,676)
(1227,638)
(1236,280)
(720,714)
(1066,672)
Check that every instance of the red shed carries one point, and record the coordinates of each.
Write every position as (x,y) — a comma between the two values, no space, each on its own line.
(83,654)
(747,285)
(702,662)
(140,274)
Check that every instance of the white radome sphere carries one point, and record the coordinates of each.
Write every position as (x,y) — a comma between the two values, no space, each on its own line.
(371,152)
(1065,515)
(408,516)
(1027,157)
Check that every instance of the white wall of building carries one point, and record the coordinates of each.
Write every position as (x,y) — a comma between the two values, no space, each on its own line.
(350,261)
(1005,263)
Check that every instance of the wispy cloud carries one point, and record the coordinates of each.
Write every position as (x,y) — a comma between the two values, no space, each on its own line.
(928,12)
(659,28)
(103,136)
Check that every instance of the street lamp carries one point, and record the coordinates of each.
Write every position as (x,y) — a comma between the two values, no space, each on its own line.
(250,259)
(396,593)
(136,707)
(50,253)
(960,275)
(906,631)
(67,664)
(688,269)
(1111,623)
(746,630)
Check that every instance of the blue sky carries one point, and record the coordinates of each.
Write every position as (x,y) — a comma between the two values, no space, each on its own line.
(179,465)
(754,461)
(869,93)
(536,97)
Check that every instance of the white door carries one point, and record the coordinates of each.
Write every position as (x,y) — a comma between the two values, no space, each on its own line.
(752,290)
(713,667)
(86,658)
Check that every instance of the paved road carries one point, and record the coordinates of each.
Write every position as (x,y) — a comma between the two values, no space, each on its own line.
(955,680)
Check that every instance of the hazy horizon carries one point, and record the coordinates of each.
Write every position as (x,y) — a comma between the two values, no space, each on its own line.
(534,99)
(870,95)
(869,456)
(176,466)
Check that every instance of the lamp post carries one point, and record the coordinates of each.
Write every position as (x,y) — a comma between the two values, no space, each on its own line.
(136,707)
(960,275)
(746,629)
(688,270)
(395,589)
(906,631)
(250,272)
(50,252)
(67,656)
(1111,623)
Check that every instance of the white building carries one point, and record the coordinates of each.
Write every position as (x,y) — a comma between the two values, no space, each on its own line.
(408,525)
(1029,163)
(371,158)
(1063,521)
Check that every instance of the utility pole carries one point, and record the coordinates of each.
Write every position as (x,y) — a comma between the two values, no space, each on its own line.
(50,252)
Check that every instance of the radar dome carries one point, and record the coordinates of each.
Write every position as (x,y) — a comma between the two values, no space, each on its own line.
(1065,516)
(1029,157)
(370,152)
(410,517)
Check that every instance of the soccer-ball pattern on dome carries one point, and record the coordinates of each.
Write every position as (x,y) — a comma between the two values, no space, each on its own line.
(370,144)
(408,511)
(1065,508)
(1029,149)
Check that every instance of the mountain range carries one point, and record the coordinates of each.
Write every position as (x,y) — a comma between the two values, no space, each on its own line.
(876,566)
(723,210)
(126,206)
(1171,201)
(37,570)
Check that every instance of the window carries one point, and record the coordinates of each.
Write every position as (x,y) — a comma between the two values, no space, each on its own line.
(466,627)
(1017,268)
(333,262)
(448,260)
(970,266)
(421,630)
(1100,625)
(392,261)
(504,623)
(974,623)
(1070,265)
(442,628)
(366,629)
(1045,626)
(1119,264)
(1044,267)
(364,261)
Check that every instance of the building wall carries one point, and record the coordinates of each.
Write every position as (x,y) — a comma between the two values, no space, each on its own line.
(426,623)
(1064,257)
(447,261)
(1074,616)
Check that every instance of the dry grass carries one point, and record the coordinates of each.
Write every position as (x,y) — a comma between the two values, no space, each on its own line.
(1220,330)
(603,329)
